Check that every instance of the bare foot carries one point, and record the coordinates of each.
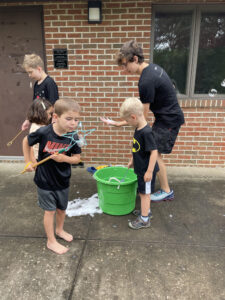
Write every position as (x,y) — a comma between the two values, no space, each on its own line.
(57,247)
(65,235)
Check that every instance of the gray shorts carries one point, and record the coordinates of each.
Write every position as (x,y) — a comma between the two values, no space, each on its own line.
(52,200)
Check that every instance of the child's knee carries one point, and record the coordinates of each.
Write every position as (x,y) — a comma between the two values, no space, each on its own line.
(49,212)
(60,211)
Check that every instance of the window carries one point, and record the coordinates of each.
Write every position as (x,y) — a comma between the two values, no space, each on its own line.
(189,43)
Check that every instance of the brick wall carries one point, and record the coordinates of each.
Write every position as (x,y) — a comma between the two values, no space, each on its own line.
(99,86)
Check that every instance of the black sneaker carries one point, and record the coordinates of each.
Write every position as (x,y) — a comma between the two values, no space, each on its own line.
(81,164)
(139,223)
(137,212)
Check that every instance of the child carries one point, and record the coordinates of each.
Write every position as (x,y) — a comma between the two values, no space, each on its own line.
(144,157)
(39,114)
(52,177)
(44,87)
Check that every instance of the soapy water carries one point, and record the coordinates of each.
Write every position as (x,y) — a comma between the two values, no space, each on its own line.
(86,206)
(212,93)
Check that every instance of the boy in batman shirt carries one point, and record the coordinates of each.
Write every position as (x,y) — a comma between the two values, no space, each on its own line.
(144,157)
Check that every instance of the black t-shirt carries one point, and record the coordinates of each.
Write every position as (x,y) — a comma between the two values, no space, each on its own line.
(46,90)
(143,144)
(52,175)
(156,88)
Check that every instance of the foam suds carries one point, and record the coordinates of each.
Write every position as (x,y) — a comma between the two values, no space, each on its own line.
(86,206)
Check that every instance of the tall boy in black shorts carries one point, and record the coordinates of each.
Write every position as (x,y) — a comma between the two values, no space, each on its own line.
(143,159)
(157,94)
(52,177)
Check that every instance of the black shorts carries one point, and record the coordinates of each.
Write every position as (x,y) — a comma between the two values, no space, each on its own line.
(143,187)
(165,138)
(52,200)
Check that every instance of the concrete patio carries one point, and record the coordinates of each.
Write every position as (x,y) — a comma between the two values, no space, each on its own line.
(182,255)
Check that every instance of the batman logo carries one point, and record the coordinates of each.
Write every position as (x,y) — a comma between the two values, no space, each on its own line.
(136,145)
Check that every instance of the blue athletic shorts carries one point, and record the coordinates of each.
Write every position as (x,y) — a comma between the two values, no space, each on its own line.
(143,187)
(52,200)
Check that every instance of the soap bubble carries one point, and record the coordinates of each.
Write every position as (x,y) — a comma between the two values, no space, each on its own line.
(212,93)
(223,83)
(81,142)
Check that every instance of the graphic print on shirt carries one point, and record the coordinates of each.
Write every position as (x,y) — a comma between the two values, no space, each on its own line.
(53,147)
(40,94)
(136,146)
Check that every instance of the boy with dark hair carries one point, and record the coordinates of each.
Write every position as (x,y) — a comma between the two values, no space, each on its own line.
(52,177)
(157,94)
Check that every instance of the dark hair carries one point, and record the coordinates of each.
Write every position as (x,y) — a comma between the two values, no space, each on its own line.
(128,51)
(37,112)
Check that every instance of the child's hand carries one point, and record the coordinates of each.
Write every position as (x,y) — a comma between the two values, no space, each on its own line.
(130,164)
(108,121)
(25,125)
(29,167)
(148,176)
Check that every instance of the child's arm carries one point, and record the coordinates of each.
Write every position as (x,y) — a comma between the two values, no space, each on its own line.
(151,165)
(113,123)
(130,163)
(52,88)
(74,159)
(27,155)
(32,156)
(25,125)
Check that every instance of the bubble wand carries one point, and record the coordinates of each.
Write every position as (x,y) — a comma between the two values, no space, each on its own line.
(71,135)
(10,142)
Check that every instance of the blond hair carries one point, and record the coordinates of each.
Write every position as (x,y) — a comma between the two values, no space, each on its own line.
(32,61)
(64,105)
(130,106)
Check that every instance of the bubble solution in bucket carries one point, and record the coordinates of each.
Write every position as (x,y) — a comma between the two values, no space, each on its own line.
(116,197)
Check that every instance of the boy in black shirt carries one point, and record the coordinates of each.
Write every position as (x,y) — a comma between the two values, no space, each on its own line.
(52,177)
(144,157)
(44,87)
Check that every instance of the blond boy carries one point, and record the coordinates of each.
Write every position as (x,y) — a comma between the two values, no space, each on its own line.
(144,156)
(44,86)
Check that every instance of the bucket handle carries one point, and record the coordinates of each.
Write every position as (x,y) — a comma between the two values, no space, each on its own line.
(114,178)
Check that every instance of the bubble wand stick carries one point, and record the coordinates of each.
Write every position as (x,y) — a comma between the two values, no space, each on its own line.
(70,135)
(42,161)
(10,142)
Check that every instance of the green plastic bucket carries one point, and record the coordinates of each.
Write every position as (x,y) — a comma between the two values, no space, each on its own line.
(116,197)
